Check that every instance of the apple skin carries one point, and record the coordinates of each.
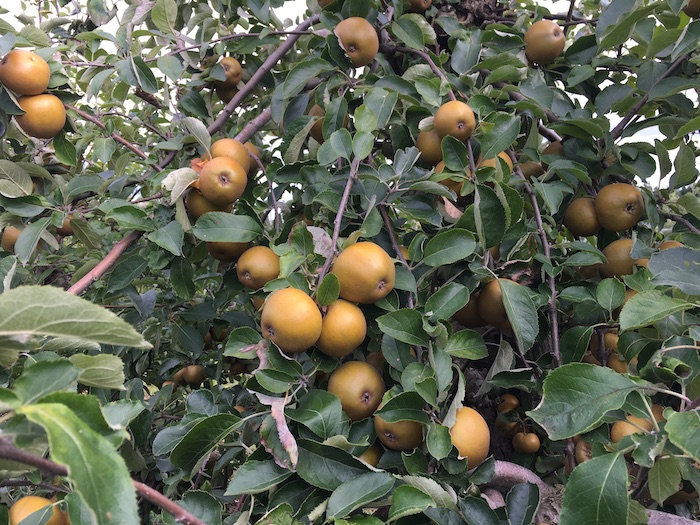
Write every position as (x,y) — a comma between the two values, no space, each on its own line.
(222,181)
(619,206)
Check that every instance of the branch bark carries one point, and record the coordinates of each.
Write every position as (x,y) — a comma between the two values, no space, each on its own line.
(9,451)
(106,263)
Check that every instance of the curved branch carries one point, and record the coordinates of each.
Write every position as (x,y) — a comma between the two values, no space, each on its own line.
(105,264)
(425,56)
(116,136)
(263,70)
(616,133)
(9,451)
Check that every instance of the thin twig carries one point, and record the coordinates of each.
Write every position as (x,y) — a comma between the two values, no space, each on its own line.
(616,133)
(397,247)
(425,56)
(354,166)
(118,138)
(685,222)
(254,125)
(552,302)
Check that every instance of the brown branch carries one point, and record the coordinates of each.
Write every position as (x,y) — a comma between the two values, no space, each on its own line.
(552,302)
(616,133)
(265,68)
(254,125)
(425,56)
(116,136)
(397,247)
(9,451)
(354,166)
(105,264)
(26,483)
(695,403)
(685,222)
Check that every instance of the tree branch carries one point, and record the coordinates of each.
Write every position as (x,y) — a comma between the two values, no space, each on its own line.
(9,451)
(265,68)
(354,166)
(616,133)
(685,222)
(106,263)
(425,56)
(118,138)
(552,302)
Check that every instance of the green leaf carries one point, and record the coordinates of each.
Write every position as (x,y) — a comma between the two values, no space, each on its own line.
(381,104)
(522,502)
(664,479)
(597,492)
(477,512)
(100,371)
(328,290)
(404,406)
(521,313)
(684,431)
(201,439)
(362,144)
(104,485)
(170,237)
(43,378)
(489,216)
(407,501)
(691,203)
(446,301)
(364,119)
(357,492)
(408,32)
(14,180)
(47,310)
(684,164)
(302,72)
(503,131)
(201,504)
(577,396)
(341,141)
(181,277)
(574,343)
(125,271)
(254,477)
(226,227)
(438,441)
(319,411)
(649,307)
(610,293)
(199,131)
(325,466)
(448,247)
(29,238)
(405,325)
(467,344)
(677,268)
(144,76)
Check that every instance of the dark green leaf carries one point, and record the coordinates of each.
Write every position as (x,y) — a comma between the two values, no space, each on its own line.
(577,396)
(448,247)
(325,466)
(521,313)
(405,325)
(256,476)
(467,344)
(684,431)
(201,439)
(226,227)
(357,492)
(407,501)
(597,492)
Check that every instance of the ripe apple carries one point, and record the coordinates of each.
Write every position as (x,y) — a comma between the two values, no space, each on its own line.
(544,42)
(24,72)
(359,39)
(366,273)
(222,181)
(454,118)
(619,206)
(360,388)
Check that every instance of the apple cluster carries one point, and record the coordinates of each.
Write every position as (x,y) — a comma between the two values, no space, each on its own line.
(27,75)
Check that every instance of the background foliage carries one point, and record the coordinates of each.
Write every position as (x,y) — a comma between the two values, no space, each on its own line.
(262,441)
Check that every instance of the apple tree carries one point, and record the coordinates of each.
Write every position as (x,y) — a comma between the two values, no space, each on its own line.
(460,200)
